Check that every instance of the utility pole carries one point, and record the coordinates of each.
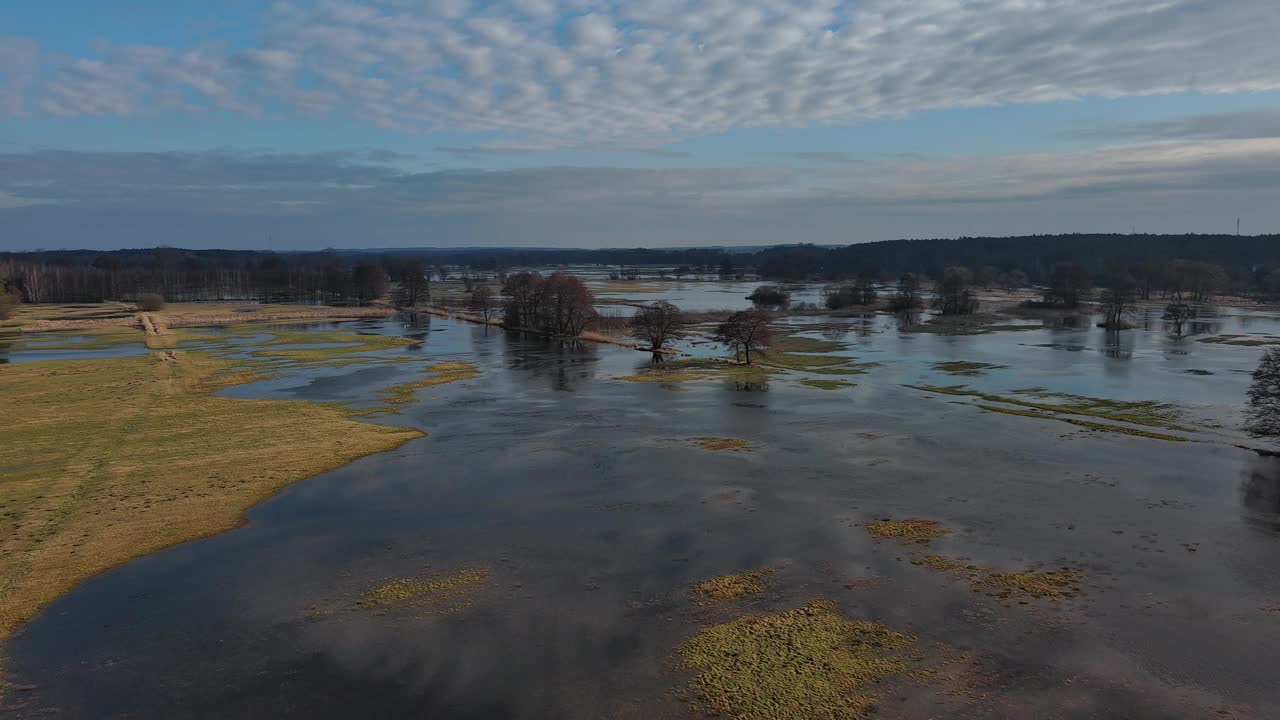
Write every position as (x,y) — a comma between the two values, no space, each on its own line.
(1237,227)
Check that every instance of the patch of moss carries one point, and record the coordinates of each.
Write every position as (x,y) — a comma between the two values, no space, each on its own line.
(1057,584)
(724,444)
(964,367)
(912,531)
(827,384)
(1050,584)
(940,563)
(731,587)
(440,589)
(810,663)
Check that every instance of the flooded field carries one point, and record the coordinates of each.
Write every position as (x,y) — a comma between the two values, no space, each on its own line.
(567,544)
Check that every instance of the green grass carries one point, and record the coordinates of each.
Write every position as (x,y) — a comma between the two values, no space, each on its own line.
(810,663)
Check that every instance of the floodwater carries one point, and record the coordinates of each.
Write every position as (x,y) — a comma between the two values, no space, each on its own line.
(594,513)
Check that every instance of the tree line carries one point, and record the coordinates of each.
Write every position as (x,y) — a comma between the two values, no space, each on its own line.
(1191,266)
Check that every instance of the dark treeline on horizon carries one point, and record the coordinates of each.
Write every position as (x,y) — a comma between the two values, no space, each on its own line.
(1245,265)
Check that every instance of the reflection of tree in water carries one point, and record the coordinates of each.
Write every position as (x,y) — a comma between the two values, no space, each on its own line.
(1260,492)
(738,386)
(1119,344)
(415,320)
(564,363)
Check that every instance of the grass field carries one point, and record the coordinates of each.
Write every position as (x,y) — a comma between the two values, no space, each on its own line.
(108,459)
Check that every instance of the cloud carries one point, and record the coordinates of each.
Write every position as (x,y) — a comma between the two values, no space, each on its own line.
(569,72)
(1243,124)
(362,198)
(826,157)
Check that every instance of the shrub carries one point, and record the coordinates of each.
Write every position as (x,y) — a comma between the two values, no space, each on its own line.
(150,302)
(8,303)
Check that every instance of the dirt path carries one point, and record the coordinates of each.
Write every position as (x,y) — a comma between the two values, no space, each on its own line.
(149,324)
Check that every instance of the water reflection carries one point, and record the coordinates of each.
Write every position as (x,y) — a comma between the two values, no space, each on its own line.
(1260,492)
(1118,344)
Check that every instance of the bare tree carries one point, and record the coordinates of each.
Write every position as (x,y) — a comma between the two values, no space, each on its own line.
(744,331)
(1177,313)
(1117,300)
(954,296)
(658,323)
(481,301)
(1264,395)
(1067,284)
(907,296)
(569,306)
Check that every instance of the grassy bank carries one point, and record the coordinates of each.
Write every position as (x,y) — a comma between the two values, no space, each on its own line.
(110,459)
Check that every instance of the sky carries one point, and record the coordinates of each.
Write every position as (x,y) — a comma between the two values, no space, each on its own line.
(302,124)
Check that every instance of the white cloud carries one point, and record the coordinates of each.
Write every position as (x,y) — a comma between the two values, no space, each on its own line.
(352,199)
(652,71)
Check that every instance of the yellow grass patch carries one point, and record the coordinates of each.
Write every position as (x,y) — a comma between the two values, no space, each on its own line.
(1026,585)
(810,663)
(731,587)
(445,591)
(912,531)
(1052,584)
(437,374)
(724,444)
(106,460)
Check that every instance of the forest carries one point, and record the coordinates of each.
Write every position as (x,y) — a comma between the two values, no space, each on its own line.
(1240,265)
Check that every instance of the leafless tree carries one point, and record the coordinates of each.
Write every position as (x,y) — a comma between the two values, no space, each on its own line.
(1264,395)
(481,301)
(1117,300)
(744,331)
(907,296)
(1177,313)
(658,323)
(954,296)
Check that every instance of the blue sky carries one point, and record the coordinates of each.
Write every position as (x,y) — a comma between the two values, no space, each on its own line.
(668,122)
